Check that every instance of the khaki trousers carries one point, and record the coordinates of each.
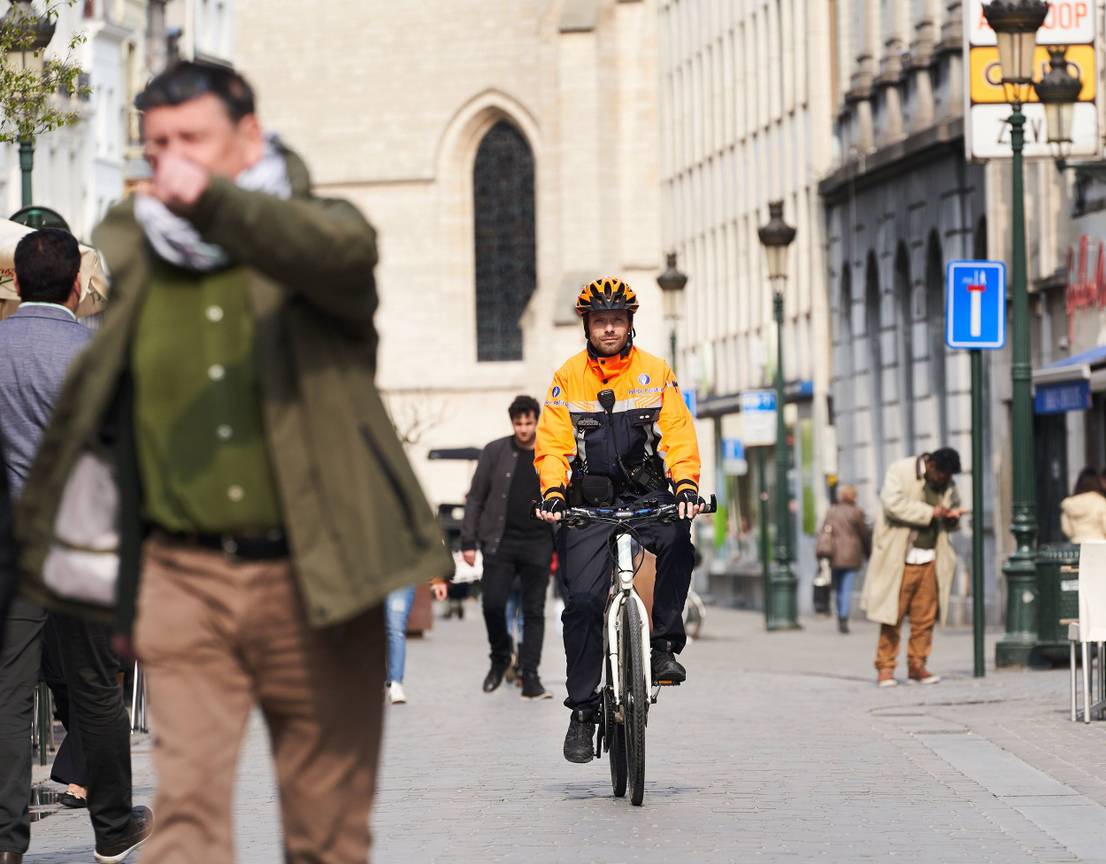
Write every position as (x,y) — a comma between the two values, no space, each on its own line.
(218,637)
(918,599)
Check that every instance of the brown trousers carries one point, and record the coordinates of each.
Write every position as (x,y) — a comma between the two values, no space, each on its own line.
(918,599)
(218,637)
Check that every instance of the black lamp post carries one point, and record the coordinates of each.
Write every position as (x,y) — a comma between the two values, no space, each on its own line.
(672,283)
(27,57)
(1015,23)
(782,600)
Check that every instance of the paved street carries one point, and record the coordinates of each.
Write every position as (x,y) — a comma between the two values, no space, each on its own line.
(779,749)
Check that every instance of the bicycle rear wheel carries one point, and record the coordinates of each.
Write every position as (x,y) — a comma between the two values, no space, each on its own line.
(616,744)
(635,701)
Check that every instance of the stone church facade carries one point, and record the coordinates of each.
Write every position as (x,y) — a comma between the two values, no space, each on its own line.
(506,151)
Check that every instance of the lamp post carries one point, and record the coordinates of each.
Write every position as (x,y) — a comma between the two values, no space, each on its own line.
(782,601)
(27,57)
(672,283)
(1058,91)
(1015,23)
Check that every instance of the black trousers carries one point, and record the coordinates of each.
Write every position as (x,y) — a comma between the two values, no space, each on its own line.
(585,563)
(20,663)
(69,762)
(96,706)
(529,561)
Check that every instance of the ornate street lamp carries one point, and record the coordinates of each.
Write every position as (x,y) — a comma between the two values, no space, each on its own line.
(1058,91)
(27,57)
(1015,23)
(781,601)
(672,283)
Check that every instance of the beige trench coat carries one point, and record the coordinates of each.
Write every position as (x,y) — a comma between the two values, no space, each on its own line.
(903,511)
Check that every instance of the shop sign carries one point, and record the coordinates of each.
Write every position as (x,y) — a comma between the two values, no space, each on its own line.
(1086,289)
(1062,397)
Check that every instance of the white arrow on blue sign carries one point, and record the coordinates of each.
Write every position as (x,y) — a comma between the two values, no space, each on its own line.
(975,304)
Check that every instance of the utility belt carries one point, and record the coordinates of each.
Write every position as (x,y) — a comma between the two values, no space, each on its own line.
(597,490)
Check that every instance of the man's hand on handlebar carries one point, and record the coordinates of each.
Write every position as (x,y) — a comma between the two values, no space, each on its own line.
(689,504)
(551,509)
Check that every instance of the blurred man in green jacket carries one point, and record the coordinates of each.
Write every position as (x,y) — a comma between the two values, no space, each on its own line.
(266,500)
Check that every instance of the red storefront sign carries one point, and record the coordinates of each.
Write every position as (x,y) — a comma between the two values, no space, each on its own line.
(1085,290)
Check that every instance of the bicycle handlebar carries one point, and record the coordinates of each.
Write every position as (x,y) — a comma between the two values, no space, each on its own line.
(576,517)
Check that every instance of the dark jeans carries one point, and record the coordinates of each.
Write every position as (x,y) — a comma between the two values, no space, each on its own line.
(530,562)
(20,662)
(69,763)
(585,581)
(96,706)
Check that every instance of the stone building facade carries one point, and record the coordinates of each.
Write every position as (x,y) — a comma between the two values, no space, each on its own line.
(746,118)
(506,151)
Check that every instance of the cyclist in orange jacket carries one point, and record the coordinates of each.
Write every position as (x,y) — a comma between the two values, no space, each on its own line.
(593,448)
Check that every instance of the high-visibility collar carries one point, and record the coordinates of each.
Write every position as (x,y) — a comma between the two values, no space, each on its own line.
(608,367)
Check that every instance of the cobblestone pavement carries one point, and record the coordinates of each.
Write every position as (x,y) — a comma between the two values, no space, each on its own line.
(780,748)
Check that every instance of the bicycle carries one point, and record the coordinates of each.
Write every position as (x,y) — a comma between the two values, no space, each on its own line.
(627,676)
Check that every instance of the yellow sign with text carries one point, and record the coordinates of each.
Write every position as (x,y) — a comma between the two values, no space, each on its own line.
(985,73)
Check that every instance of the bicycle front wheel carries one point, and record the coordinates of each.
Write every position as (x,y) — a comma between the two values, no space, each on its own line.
(635,701)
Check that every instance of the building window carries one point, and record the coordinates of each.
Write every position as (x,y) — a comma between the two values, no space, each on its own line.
(873,333)
(935,326)
(904,288)
(506,268)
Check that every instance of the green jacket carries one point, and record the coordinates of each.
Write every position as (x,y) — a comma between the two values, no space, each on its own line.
(357,521)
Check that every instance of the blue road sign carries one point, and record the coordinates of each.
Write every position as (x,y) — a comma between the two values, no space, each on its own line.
(975,304)
(691,402)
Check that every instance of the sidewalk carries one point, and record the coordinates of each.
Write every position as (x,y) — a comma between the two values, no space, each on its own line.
(780,748)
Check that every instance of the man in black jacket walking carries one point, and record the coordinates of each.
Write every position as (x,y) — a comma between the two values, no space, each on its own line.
(497,518)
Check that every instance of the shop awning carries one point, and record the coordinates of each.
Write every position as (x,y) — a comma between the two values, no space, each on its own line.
(1085,366)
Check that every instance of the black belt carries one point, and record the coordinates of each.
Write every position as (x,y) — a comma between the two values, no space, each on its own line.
(245,547)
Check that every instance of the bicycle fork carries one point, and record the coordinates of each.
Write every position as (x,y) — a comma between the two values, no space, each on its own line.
(625,594)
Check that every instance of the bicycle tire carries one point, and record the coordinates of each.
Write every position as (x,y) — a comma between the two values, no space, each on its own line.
(616,746)
(635,701)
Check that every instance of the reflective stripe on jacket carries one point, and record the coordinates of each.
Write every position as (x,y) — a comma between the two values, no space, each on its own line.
(649,416)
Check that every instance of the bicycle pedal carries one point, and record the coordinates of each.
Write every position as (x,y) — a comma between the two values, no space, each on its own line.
(667,683)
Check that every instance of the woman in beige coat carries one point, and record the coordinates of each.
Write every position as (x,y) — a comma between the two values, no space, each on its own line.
(1083,515)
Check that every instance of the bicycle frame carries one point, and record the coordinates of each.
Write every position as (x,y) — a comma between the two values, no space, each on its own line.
(622,591)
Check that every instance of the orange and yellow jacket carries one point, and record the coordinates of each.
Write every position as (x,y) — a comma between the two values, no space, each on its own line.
(649,417)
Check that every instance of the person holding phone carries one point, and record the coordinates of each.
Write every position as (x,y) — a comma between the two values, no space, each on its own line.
(912,565)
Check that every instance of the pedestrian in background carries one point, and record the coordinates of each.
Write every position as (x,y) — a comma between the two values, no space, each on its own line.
(497,518)
(912,566)
(397,612)
(266,505)
(849,539)
(1083,514)
(38,346)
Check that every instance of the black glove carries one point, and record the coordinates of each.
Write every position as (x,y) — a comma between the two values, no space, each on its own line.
(554,504)
(690,498)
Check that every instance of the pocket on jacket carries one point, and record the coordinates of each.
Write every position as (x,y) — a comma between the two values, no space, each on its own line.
(395,484)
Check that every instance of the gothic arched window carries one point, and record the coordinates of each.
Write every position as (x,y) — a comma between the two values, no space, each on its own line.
(506,269)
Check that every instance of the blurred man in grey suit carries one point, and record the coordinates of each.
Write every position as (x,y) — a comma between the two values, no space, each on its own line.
(37,345)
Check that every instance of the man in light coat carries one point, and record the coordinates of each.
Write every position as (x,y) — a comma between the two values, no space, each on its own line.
(913,563)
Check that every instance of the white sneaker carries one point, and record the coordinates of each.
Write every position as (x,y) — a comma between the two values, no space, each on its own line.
(395,693)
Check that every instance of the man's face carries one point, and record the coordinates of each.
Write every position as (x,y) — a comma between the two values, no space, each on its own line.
(936,478)
(608,331)
(202,131)
(525,426)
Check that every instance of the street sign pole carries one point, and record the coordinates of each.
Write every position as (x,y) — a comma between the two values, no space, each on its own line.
(762,480)
(978,618)
(975,320)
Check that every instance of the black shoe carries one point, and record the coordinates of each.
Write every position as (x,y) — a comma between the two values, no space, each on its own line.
(494,677)
(532,687)
(666,669)
(68,799)
(580,738)
(11,858)
(842,625)
(138,832)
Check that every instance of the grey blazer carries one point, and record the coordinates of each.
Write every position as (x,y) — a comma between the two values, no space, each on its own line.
(37,345)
